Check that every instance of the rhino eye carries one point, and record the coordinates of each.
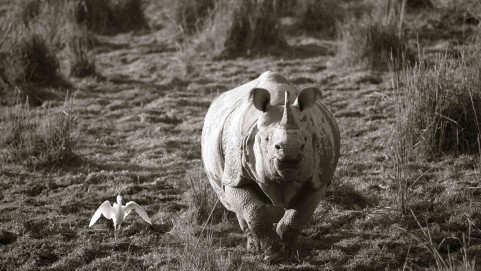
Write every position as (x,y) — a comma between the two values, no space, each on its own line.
(267,138)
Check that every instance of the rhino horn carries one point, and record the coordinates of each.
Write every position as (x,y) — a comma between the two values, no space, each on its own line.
(287,121)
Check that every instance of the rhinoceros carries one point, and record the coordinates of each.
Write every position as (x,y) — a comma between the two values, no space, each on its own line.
(268,160)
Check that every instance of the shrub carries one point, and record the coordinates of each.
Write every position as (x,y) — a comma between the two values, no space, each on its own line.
(37,140)
(239,28)
(438,107)
(370,40)
(111,16)
(191,14)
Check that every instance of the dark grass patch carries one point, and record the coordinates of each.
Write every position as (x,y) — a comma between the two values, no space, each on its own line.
(36,140)
(111,16)
(320,16)
(241,28)
(191,14)
(374,38)
(438,107)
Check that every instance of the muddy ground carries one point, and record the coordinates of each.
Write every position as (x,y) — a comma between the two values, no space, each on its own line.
(139,126)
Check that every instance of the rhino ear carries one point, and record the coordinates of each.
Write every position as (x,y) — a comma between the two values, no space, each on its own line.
(307,97)
(260,97)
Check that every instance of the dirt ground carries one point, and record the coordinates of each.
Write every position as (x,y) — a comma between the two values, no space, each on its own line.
(139,126)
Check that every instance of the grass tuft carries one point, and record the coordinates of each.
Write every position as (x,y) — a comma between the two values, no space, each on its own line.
(191,14)
(241,28)
(318,15)
(37,140)
(111,16)
(438,107)
(369,41)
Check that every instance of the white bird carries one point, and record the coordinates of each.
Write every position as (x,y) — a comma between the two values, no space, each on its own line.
(118,213)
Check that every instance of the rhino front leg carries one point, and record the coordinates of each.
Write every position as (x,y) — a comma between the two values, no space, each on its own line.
(298,215)
(256,220)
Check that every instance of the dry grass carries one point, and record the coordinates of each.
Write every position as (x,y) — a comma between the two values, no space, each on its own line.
(203,204)
(36,139)
(37,36)
(111,16)
(320,15)
(191,14)
(369,41)
(240,28)
(438,107)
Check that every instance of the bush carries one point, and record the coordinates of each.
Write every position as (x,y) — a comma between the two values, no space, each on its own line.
(438,107)
(239,28)
(111,16)
(370,41)
(37,140)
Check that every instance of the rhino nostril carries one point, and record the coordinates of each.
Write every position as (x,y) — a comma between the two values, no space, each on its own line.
(302,147)
(277,147)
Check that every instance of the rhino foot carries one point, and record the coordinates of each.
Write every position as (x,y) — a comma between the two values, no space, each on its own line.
(253,243)
(272,257)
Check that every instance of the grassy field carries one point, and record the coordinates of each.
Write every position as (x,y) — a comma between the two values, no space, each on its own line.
(132,126)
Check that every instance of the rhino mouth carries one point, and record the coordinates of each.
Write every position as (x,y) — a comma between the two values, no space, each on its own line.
(282,165)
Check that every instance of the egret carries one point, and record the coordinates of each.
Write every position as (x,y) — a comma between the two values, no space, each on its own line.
(118,213)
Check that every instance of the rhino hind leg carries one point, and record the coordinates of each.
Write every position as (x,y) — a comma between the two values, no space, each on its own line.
(256,220)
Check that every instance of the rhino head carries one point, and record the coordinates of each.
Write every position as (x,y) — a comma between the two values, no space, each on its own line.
(283,146)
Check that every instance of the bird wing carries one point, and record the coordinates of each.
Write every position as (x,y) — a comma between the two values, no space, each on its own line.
(104,209)
(134,206)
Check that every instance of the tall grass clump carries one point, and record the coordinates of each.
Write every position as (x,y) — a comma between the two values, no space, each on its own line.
(319,15)
(191,14)
(438,107)
(39,39)
(36,139)
(111,16)
(241,28)
(370,40)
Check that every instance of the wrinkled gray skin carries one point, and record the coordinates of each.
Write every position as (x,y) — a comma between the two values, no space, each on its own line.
(268,160)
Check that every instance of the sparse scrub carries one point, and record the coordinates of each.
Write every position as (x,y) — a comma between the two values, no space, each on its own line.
(438,107)
(39,140)
(240,28)
(370,40)
(111,16)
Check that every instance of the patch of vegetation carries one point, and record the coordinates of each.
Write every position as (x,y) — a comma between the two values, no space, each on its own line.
(320,15)
(371,40)
(37,140)
(203,204)
(111,16)
(438,107)
(39,38)
(240,28)
(191,14)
